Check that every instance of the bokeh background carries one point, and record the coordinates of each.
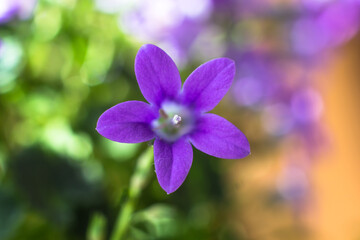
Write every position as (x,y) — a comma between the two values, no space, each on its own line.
(296,96)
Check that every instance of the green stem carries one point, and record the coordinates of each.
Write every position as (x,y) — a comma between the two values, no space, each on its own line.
(137,183)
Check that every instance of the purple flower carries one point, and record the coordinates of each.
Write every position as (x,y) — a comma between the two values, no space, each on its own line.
(10,9)
(175,117)
(7,10)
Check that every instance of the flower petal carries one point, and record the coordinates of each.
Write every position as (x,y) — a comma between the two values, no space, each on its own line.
(127,122)
(157,75)
(172,163)
(218,137)
(208,84)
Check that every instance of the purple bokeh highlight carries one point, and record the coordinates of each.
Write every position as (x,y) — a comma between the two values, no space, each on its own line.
(11,9)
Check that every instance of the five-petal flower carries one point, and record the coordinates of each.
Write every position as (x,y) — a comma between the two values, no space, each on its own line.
(176,117)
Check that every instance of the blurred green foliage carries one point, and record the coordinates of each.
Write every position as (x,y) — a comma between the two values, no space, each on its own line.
(59,179)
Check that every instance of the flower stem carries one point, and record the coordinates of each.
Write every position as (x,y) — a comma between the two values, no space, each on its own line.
(137,183)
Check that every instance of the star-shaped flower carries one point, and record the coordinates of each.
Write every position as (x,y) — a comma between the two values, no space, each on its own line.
(176,117)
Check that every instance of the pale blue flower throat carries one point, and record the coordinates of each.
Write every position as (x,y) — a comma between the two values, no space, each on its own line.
(174,121)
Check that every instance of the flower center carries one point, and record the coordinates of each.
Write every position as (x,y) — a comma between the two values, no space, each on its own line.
(174,121)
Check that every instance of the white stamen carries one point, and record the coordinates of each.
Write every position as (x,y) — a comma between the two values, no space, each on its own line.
(176,119)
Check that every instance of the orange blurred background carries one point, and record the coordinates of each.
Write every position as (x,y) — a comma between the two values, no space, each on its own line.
(331,211)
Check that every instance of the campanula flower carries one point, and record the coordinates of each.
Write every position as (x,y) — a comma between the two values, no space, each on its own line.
(176,116)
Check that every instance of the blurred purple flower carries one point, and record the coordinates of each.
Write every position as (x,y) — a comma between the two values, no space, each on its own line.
(339,22)
(257,78)
(173,25)
(336,23)
(306,106)
(10,9)
(316,4)
(293,184)
(297,109)
(175,117)
(7,10)
(307,38)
